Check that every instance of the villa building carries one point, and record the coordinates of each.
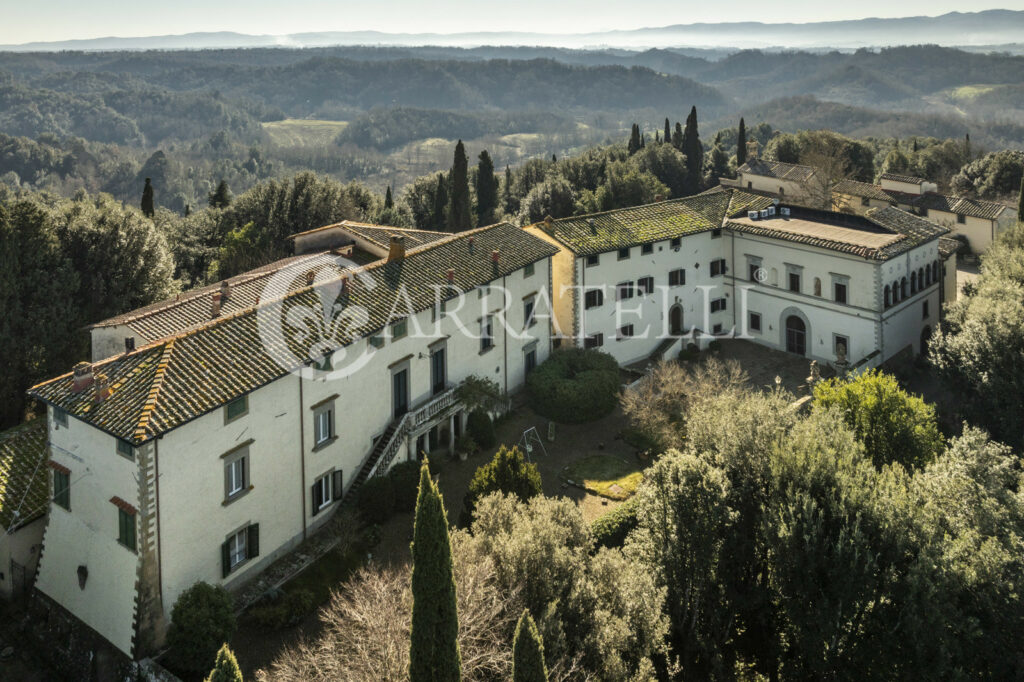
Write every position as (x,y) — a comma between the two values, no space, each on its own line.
(24,497)
(215,431)
(641,281)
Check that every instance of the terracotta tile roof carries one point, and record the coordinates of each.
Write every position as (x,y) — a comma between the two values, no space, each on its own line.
(24,476)
(777,169)
(976,208)
(381,235)
(192,308)
(624,227)
(168,383)
(911,179)
(880,235)
(947,247)
(866,189)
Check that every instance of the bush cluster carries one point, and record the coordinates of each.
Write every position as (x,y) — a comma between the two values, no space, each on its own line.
(610,529)
(202,620)
(575,386)
(381,496)
(508,472)
(480,428)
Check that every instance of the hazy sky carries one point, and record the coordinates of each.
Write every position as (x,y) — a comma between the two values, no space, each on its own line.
(32,20)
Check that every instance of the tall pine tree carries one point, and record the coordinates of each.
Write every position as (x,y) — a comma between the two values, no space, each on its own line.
(486,190)
(694,153)
(668,133)
(389,201)
(434,648)
(440,212)
(225,667)
(741,144)
(458,208)
(148,207)
(528,652)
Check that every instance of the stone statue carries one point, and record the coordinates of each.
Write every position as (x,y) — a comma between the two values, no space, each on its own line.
(815,375)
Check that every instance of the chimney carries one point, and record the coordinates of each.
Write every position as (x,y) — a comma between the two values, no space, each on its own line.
(129,344)
(659,197)
(451,276)
(397,250)
(470,243)
(83,377)
(215,305)
(102,388)
(310,276)
(494,256)
(593,225)
(225,290)
(344,285)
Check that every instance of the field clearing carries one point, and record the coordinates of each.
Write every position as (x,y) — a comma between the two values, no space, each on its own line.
(969,92)
(299,132)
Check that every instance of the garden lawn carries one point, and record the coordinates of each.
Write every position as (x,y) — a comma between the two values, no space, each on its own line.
(606,475)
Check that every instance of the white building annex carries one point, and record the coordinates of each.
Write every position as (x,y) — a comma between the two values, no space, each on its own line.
(214,432)
(643,281)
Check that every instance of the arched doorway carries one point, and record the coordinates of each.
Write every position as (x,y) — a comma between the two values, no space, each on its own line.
(796,335)
(926,335)
(675,320)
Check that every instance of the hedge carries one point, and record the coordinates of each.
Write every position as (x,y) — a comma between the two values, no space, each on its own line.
(376,499)
(203,618)
(480,428)
(611,529)
(575,386)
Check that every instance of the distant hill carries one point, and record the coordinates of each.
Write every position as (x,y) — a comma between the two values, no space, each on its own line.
(989,27)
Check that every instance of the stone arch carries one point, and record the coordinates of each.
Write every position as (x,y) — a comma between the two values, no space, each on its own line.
(903,288)
(675,320)
(888,296)
(793,324)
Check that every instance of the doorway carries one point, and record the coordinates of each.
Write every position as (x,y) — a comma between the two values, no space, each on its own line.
(675,320)
(796,335)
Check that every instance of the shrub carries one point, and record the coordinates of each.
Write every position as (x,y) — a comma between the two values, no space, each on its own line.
(508,472)
(610,529)
(574,386)
(201,621)
(405,482)
(376,500)
(480,428)
(283,611)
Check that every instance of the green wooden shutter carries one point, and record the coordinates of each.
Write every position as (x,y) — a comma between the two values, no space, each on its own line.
(253,544)
(312,497)
(225,558)
(336,485)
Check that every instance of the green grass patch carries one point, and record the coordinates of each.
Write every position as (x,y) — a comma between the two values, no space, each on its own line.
(606,475)
(300,132)
(969,92)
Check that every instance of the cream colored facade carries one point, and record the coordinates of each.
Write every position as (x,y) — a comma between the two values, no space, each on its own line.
(979,232)
(176,482)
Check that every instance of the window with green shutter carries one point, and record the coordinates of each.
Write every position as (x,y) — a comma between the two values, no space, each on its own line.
(62,489)
(126,528)
(125,449)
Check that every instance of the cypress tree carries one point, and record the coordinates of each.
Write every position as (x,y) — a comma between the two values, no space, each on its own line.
(225,668)
(967,146)
(677,137)
(507,198)
(693,151)
(389,202)
(1020,202)
(915,145)
(441,203)
(634,139)
(486,190)
(668,133)
(741,144)
(554,159)
(434,647)
(148,208)
(657,137)
(642,142)
(458,209)
(528,652)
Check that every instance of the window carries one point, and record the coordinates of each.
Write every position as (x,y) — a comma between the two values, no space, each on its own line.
(913,283)
(438,369)
(530,358)
(399,329)
(718,267)
(486,333)
(377,341)
(718,305)
(903,288)
(236,408)
(593,260)
(327,489)
(782,191)
(840,343)
(924,310)
(794,281)
(716,233)
(240,546)
(528,270)
(236,473)
(623,291)
(60,417)
(840,292)
(62,488)
(125,449)
(754,322)
(593,299)
(645,285)
(593,341)
(755,272)
(961,218)
(625,332)
(676,278)
(677,242)
(716,328)
(624,253)
(887,301)
(323,424)
(646,249)
(126,528)
(750,185)
(528,309)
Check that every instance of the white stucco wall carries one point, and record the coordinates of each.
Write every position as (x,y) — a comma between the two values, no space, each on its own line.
(21,546)
(979,232)
(87,535)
